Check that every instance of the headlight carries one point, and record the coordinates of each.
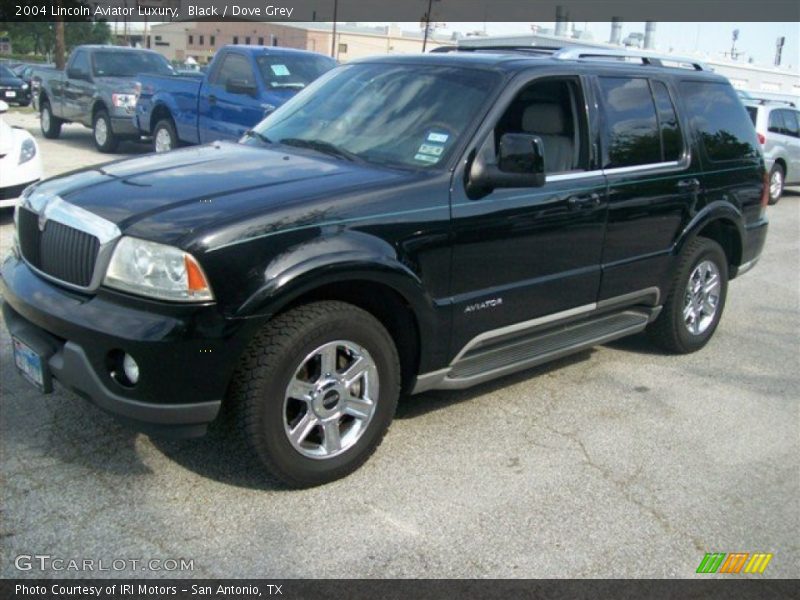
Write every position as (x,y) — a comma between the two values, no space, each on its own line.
(28,150)
(127,101)
(24,86)
(158,271)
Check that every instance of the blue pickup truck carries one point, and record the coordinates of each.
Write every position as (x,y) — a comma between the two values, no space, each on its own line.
(242,85)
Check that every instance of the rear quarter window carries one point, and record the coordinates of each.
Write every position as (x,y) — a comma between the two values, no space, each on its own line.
(720,121)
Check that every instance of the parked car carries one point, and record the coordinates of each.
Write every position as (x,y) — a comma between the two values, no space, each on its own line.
(12,88)
(98,89)
(778,127)
(242,85)
(20,163)
(406,223)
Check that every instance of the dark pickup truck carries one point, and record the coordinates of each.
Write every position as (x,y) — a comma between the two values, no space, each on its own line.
(98,89)
(405,224)
(241,86)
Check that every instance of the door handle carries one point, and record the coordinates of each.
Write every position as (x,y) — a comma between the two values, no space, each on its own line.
(212,99)
(583,201)
(688,185)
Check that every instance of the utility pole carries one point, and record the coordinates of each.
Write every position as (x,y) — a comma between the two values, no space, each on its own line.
(333,35)
(427,26)
(59,50)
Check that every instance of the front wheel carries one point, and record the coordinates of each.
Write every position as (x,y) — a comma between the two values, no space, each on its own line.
(776,182)
(316,391)
(165,138)
(104,138)
(696,299)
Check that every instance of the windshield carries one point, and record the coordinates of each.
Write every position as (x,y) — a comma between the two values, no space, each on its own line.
(292,71)
(401,115)
(6,72)
(129,64)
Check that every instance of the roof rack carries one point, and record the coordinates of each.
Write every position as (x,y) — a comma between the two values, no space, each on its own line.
(539,50)
(579,52)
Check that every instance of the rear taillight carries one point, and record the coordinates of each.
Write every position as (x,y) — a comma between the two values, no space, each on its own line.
(765,193)
(762,139)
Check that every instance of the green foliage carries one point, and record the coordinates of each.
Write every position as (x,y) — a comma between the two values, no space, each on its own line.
(39,37)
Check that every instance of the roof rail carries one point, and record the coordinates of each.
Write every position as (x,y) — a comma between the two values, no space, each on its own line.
(546,50)
(656,60)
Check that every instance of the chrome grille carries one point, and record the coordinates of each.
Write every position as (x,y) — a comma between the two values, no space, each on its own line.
(60,251)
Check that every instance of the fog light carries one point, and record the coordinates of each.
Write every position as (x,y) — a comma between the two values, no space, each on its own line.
(131,368)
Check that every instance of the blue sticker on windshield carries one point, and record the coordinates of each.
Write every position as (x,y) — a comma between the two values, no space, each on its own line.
(280,70)
(426,158)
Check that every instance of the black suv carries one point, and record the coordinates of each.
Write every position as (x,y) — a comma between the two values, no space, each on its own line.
(404,224)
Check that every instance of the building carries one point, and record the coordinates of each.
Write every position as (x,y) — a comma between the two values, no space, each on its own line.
(180,40)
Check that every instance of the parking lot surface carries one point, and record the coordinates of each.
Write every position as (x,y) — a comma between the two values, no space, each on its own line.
(618,462)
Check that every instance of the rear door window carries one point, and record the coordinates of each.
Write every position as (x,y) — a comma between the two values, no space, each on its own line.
(776,122)
(717,116)
(753,112)
(631,135)
(790,123)
(671,139)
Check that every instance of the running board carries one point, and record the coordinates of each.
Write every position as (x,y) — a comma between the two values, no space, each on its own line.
(495,359)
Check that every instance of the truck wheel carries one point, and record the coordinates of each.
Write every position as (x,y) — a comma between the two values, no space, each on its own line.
(104,138)
(51,126)
(696,299)
(776,181)
(315,392)
(165,138)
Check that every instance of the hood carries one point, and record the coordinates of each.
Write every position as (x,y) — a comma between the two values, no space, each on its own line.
(11,81)
(117,84)
(6,138)
(165,197)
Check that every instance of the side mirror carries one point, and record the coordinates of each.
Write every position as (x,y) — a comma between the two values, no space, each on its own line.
(77,74)
(3,107)
(240,86)
(520,164)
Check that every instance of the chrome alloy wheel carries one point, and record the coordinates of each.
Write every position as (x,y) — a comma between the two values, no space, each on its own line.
(701,299)
(330,399)
(163,141)
(101,132)
(776,184)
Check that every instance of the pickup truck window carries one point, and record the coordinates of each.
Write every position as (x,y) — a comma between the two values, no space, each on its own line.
(292,72)
(401,115)
(80,62)
(234,66)
(129,64)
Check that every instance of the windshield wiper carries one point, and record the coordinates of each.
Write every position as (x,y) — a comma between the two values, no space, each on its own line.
(259,136)
(323,147)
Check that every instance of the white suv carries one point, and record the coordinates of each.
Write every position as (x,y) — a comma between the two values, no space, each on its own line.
(778,128)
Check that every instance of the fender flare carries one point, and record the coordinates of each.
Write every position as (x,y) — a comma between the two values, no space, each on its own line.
(715,211)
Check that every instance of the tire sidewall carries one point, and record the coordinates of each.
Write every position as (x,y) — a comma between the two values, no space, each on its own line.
(776,167)
(110,143)
(707,250)
(351,327)
(50,131)
(170,129)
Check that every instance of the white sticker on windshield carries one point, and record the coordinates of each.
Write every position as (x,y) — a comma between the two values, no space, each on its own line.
(431,149)
(426,158)
(279,70)
(437,137)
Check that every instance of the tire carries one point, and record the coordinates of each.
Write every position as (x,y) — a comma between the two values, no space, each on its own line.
(681,333)
(284,352)
(777,179)
(165,137)
(104,138)
(51,125)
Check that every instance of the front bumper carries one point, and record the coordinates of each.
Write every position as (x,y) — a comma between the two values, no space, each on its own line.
(186,354)
(123,126)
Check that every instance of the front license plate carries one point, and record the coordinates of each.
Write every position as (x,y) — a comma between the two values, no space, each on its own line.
(30,364)
(11,94)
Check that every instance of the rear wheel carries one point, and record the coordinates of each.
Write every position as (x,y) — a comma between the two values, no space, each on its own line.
(165,138)
(104,138)
(695,300)
(51,125)
(776,181)
(316,391)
